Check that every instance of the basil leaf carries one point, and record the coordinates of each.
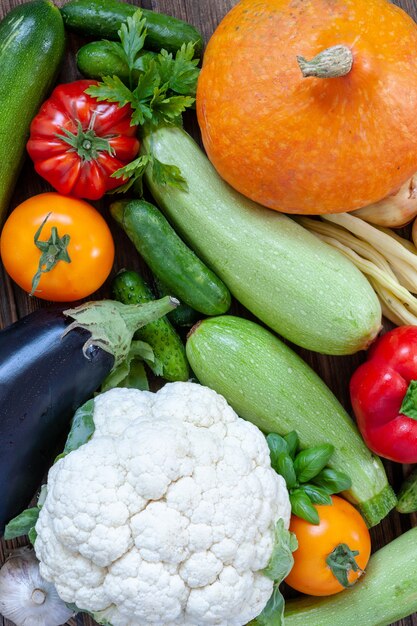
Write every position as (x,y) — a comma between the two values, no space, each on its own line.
(301,506)
(317,495)
(285,467)
(273,613)
(277,445)
(22,524)
(332,480)
(409,404)
(310,462)
(281,561)
(293,443)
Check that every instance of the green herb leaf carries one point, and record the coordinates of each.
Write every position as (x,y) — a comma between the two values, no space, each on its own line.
(316,494)
(273,613)
(281,561)
(32,534)
(293,443)
(22,524)
(308,463)
(131,173)
(82,428)
(277,445)
(112,90)
(164,174)
(169,109)
(180,73)
(301,506)
(332,480)
(132,35)
(409,404)
(285,467)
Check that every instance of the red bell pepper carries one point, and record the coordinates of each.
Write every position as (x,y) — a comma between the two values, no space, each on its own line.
(77,143)
(384,396)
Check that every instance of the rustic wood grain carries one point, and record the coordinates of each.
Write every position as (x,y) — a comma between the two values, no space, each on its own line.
(335,371)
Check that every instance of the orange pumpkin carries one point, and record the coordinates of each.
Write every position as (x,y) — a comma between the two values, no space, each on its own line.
(311,144)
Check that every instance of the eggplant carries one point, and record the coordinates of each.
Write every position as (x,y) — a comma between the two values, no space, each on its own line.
(49,366)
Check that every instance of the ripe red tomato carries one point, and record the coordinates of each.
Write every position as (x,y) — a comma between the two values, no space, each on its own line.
(90,247)
(77,143)
(340,525)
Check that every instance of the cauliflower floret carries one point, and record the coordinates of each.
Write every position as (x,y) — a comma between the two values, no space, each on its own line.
(167,516)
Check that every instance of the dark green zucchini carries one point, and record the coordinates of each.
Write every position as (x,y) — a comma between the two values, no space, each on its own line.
(97,59)
(170,360)
(32,43)
(103,18)
(170,259)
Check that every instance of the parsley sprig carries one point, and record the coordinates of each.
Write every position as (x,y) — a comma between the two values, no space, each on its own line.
(166,86)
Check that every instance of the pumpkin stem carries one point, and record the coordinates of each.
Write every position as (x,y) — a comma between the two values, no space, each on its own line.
(333,62)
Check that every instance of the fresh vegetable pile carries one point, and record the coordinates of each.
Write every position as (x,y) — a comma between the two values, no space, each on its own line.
(168,456)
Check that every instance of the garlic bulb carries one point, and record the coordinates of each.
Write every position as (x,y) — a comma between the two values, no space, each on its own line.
(25,598)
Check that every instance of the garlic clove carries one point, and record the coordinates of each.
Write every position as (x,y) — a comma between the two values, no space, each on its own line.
(25,598)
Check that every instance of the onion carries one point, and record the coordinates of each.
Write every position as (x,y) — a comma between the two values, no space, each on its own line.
(394,211)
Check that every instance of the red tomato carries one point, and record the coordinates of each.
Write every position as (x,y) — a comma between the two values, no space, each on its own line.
(77,143)
(90,248)
(340,525)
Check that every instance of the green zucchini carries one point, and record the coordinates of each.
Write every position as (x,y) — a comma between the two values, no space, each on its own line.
(387,592)
(170,360)
(296,284)
(169,258)
(32,44)
(407,497)
(97,59)
(271,386)
(103,18)
(185,316)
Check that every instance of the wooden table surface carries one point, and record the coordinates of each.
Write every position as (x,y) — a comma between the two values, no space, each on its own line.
(14,303)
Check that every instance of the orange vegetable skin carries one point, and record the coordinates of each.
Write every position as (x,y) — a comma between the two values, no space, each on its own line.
(91,247)
(311,145)
(340,523)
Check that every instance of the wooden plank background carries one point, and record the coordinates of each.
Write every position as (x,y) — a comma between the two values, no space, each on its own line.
(336,371)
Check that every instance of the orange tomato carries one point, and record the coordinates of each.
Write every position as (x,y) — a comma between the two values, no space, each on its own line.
(340,524)
(311,145)
(90,248)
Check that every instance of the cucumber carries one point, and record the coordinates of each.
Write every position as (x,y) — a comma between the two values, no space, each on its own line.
(169,258)
(386,593)
(103,18)
(32,44)
(407,497)
(97,59)
(299,286)
(272,387)
(185,316)
(130,288)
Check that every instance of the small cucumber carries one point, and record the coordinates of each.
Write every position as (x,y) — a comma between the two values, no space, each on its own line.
(170,259)
(103,18)
(32,44)
(272,387)
(97,59)
(130,288)
(185,316)
(302,288)
(407,497)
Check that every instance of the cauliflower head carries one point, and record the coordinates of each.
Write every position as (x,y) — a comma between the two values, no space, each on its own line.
(167,515)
